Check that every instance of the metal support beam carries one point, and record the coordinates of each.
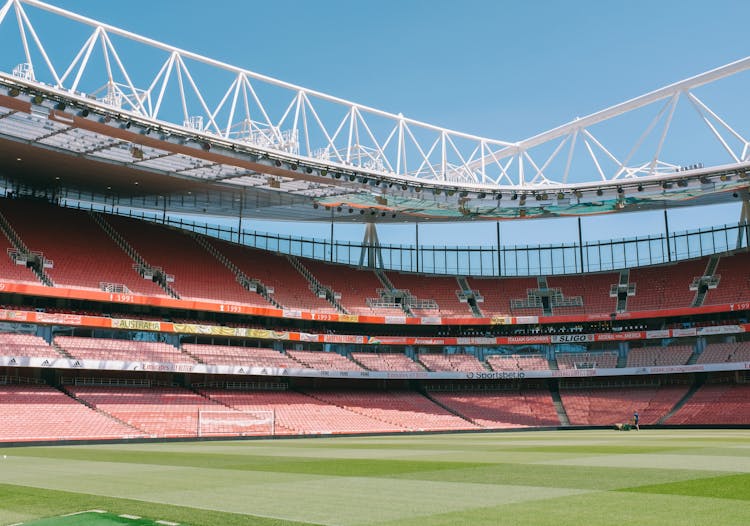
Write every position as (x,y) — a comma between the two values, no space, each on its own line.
(744,226)
(499,252)
(580,245)
(371,253)
(666,230)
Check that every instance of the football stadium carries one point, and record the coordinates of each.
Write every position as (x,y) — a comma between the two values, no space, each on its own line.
(162,361)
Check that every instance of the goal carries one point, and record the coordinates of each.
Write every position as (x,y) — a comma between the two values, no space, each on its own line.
(236,423)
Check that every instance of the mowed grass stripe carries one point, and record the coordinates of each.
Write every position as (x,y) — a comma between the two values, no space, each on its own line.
(245,461)
(22,504)
(598,509)
(460,479)
(327,500)
(734,487)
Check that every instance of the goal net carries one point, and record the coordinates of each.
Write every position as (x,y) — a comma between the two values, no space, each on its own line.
(235,423)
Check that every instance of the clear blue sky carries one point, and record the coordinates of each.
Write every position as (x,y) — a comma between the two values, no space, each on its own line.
(505,70)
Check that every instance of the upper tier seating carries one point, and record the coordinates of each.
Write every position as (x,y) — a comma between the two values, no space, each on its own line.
(26,345)
(497,294)
(197,273)
(291,289)
(9,270)
(408,411)
(502,409)
(386,361)
(121,350)
(40,412)
(518,362)
(609,406)
(245,356)
(656,356)
(586,360)
(593,289)
(324,361)
(715,404)
(82,253)
(355,286)
(464,363)
(665,287)
(157,411)
(734,285)
(298,413)
(442,289)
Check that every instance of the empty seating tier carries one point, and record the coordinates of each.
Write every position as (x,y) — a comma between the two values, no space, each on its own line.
(156,411)
(439,288)
(121,350)
(290,288)
(324,361)
(246,356)
(656,356)
(26,345)
(298,413)
(197,273)
(464,363)
(501,409)
(608,406)
(406,411)
(386,361)
(40,412)
(715,404)
(518,362)
(83,255)
(587,360)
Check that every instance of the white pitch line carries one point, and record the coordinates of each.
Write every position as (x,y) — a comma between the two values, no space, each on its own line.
(133,517)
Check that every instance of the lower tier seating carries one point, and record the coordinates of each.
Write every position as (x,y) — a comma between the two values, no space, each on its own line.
(715,404)
(502,409)
(156,411)
(604,406)
(40,412)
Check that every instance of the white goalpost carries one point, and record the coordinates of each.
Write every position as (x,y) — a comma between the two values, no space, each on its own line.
(236,423)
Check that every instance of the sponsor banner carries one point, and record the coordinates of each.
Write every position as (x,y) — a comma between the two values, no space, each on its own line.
(16,315)
(572,338)
(526,320)
(291,313)
(720,329)
(525,340)
(399,320)
(684,332)
(343,338)
(476,341)
(619,336)
(63,319)
(653,335)
(112,365)
(349,318)
(138,325)
(501,320)
(431,320)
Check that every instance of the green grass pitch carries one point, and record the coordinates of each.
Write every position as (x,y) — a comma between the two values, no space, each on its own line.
(666,477)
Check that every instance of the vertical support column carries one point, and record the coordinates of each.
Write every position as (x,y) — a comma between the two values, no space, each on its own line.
(666,229)
(744,227)
(580,246)
(416,244)
(371,248)
(499,252)
(331,258)
(239,220)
